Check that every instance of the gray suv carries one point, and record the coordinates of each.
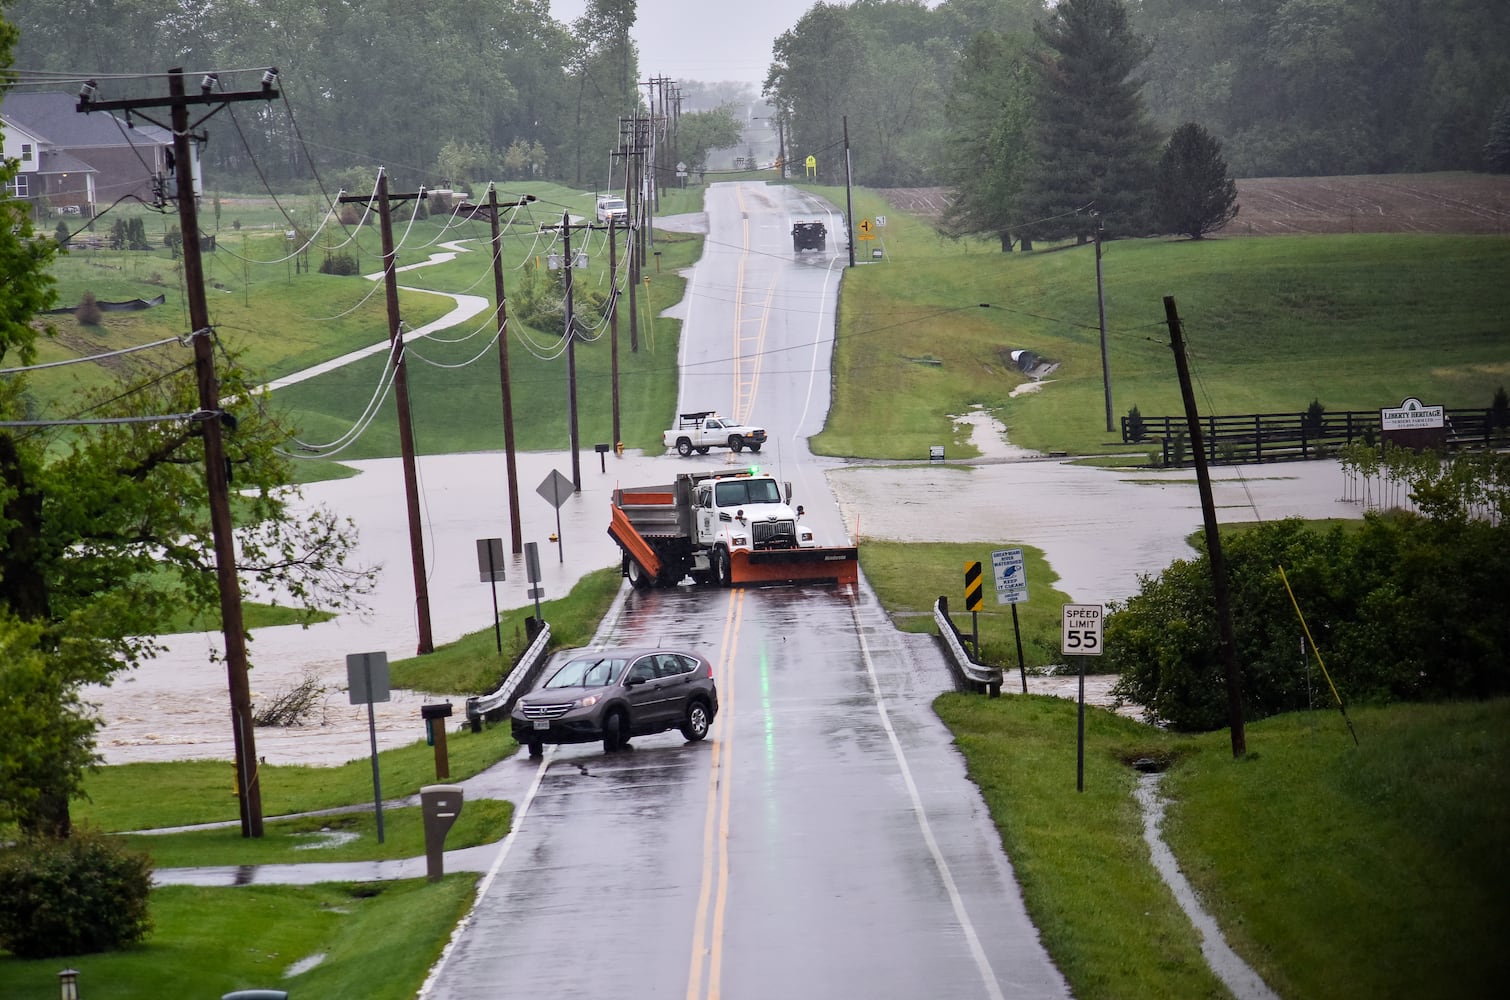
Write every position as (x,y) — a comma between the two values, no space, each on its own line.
(613,694)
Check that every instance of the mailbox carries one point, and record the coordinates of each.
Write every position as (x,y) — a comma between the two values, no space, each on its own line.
(440,805)
(435,735)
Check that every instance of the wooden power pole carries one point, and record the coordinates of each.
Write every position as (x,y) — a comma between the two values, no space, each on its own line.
(217,477)
(1226,640)
(401,401)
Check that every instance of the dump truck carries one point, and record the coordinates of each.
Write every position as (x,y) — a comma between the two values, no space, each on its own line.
(809,236)
(730,528)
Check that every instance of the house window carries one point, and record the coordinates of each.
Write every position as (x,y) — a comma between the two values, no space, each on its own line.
(20,187)
(26,152)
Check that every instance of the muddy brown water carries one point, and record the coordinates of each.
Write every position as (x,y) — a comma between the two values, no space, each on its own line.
(1099,529)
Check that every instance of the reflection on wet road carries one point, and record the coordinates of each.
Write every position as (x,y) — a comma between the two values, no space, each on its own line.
(822,841)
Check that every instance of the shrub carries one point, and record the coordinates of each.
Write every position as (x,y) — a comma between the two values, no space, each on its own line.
(1135,428)
(338,263)
(1314,413)
(61,234)
(88,311)
(77,896)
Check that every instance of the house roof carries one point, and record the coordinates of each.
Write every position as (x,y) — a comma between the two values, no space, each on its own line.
(53,118)
(55,161)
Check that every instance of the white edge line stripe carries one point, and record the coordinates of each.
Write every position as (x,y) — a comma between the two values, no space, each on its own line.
(487,881)
(988,977)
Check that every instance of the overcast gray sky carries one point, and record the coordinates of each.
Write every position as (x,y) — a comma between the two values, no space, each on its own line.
(709,40)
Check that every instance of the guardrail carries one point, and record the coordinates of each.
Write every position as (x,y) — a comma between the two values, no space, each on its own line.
(972,675)
(498,704)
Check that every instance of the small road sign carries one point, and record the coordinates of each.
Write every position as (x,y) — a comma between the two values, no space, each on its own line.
(867,230)
(1011,578)
(1081,635)
(367,677)
(973,599)
(556,488)
(490,564)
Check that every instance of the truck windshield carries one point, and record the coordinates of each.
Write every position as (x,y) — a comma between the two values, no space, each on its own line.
(748,491)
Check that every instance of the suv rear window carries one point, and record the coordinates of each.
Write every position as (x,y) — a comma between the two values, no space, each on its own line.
(588,671)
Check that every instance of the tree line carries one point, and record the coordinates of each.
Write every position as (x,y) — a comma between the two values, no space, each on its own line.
(498,85)
(1004,100)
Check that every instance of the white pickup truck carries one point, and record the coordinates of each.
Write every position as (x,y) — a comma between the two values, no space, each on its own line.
(705,429)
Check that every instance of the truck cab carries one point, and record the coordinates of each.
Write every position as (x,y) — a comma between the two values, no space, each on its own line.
(747,511)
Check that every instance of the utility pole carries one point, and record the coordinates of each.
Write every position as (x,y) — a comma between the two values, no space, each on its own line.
(613,321)
(401,401)
(1227,641)
(1106,377)
(571,345)
(516,534)
(217,472)
(849,203)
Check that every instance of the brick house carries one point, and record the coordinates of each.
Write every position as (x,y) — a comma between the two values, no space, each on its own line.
(80,164)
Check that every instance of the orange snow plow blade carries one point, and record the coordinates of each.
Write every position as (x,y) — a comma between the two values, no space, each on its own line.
(624,533)
(840,565)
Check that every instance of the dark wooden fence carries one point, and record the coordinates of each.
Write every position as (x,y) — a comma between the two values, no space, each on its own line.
(1284,437)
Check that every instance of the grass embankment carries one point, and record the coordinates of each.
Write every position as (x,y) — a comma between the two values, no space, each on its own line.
(908,578)
(1357,322)
(374,940)
(1336,870)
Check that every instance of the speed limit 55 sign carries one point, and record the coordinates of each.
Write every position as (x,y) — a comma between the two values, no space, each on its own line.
(1082,630)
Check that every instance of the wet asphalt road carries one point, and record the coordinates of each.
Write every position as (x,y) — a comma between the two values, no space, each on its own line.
(823,841)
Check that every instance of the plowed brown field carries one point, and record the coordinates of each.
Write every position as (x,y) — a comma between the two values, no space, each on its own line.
(1380,203)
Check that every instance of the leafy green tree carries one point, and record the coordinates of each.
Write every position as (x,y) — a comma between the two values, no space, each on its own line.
(700,132)
(1094,148)
(1195,194)
(985,154)
(811,81)
(104,534)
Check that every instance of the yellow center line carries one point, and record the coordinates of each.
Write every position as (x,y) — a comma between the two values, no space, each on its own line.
(718,780)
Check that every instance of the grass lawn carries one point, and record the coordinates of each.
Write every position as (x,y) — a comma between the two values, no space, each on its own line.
(1336,871)
(909,577)
(1357,322)
(374,940)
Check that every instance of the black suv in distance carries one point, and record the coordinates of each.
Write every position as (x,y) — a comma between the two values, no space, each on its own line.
(613,694)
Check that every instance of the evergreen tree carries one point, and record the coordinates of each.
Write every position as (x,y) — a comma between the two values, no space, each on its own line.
(1094,147)
(1195,195)
(1497,149)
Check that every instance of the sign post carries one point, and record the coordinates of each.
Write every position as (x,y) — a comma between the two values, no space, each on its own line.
(490,570)
(1081,636)
(532,573)
(557,489)
(973,604)
(1012,588)
(367,682)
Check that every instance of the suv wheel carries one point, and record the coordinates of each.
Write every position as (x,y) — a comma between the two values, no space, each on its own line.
(615,732)
(696,725)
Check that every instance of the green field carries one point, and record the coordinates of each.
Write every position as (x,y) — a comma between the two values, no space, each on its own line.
(1358,322)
